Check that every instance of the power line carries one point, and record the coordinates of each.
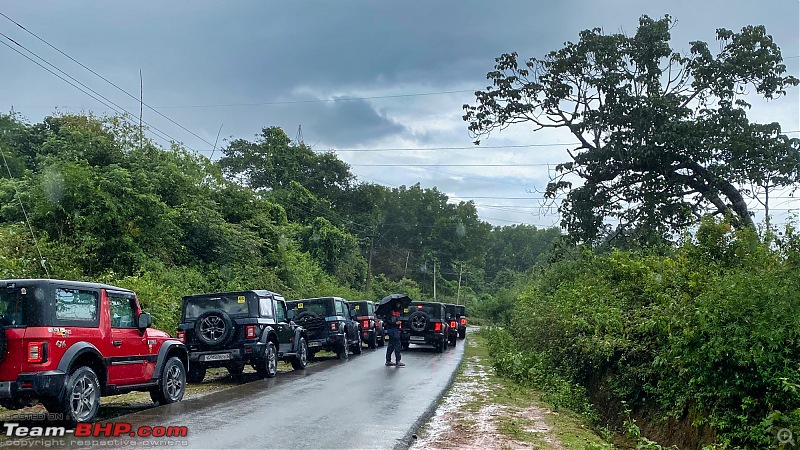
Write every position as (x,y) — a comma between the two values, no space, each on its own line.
(160,134)
(101,77)
(451,165)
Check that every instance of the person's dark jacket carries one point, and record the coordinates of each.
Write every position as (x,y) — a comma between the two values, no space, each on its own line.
(391,318)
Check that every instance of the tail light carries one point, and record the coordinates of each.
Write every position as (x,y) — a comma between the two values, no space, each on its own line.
(365,324)
(334,326)
(37,352)
(452,324)
(437,326)
(250,331)
(463,321)
(182,336)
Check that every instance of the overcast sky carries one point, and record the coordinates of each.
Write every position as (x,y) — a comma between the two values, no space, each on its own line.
(356,75)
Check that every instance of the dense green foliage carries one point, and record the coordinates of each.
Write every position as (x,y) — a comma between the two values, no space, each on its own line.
(662,137)
(712,329)
(107,206)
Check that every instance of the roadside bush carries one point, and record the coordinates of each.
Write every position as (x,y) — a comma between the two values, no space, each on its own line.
(712,328)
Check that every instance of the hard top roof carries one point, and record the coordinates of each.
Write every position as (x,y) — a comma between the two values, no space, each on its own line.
(68,283)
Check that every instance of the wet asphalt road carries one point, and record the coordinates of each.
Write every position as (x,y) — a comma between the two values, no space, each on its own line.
(354,404)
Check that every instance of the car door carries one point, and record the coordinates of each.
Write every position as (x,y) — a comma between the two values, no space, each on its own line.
(282,327)
(133,356)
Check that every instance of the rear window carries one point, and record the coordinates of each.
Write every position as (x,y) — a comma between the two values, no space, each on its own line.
(430,309)
(461,310)
(360,308)
(13,306)
(321,307)
(233,304)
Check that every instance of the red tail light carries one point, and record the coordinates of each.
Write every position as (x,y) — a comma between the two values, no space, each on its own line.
(463,321)
(452,324)
(365,324)
(334,326)
(437,326)
(182,336)
(36,352)
(250,331)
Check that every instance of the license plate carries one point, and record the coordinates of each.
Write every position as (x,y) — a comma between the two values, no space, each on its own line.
(313,344)
(417,338)
(217,357)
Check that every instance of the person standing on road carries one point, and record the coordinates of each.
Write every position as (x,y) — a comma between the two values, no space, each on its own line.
(392,325)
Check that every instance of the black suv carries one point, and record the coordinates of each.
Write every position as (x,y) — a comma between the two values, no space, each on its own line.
(424,323)
(452,323)
(329,323)
(461,310)
(370,326)
(232,329)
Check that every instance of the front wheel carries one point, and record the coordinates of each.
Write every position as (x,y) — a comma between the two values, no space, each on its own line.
(268,367)
(343,352)
(300,361)
(172,384)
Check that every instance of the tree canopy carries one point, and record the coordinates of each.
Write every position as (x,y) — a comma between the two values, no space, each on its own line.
(663,137)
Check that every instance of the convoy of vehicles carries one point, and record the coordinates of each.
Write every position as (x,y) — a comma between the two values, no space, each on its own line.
(65,344)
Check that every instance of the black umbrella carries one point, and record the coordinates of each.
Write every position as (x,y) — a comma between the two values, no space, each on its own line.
(387,304)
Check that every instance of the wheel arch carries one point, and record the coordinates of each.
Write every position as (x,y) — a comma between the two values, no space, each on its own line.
(170,348)
(84,354)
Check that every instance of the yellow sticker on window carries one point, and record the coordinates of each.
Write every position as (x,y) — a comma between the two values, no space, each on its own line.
(405,310)
(299,306)
(242,299)
(358,307)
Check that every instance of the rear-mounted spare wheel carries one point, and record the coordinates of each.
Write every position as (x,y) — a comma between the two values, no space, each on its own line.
(213,328)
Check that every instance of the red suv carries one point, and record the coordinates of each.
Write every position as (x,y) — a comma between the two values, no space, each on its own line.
(66,343)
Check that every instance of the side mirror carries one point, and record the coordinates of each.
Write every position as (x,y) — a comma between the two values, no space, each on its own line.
(144,321)
(291,314)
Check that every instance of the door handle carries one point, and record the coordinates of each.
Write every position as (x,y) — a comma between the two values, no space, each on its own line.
(116,343)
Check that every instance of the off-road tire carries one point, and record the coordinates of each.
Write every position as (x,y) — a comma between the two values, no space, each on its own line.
(405,345)
(343,352)
(453,341)
(382,339)
(462,334)
(439,346)
(214,328)
(418,321)
(172,384)
(235,369)
(373,342)
(267,367)
(357,346)
(79,401)
(300,361)
(196,373)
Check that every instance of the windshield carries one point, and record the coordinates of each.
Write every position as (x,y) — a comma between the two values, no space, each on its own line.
(233,304)
(322,307)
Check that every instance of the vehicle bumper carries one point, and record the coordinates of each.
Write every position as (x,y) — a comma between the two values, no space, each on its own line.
(221,358)
(40,384)
(330,343)
(367,335)
(422,339)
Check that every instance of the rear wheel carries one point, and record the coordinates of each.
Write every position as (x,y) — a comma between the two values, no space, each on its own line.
(196,373)
(300,361)
(381,338)
(80,399)
(373,341)
(462,334)
(268,366)
(405,345)
(357,346)
(172,384)
(453,341)
(440,346)
(236,369)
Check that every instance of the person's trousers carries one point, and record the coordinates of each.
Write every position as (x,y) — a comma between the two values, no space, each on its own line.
(394,345)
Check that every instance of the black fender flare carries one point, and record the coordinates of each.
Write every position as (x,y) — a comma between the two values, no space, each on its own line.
(166,348)
(266,333)
(298,333)
(77,350)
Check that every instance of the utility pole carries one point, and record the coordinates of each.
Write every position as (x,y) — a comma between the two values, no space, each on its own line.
(405,271)
(434,280)
(458,292)
(369,261)
(141,108)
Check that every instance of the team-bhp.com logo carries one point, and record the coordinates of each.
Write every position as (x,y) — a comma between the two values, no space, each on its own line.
(119,429)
